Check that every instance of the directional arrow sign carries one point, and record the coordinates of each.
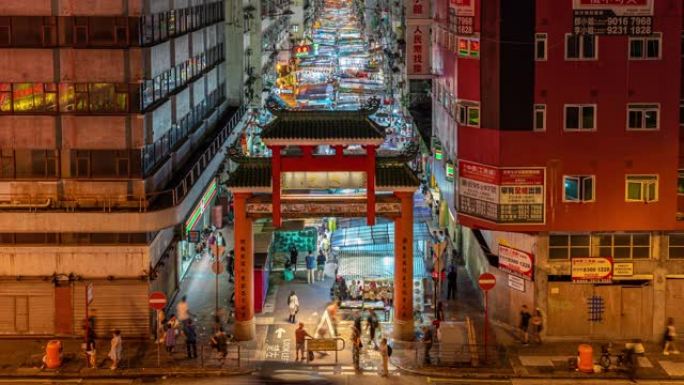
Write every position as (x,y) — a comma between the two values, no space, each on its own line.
(279,332)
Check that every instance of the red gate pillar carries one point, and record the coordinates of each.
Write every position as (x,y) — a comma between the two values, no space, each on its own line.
(275,184)
(370,185)
(403,269)
(245,328)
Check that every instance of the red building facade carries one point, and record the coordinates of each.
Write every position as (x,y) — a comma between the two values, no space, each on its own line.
(564,117)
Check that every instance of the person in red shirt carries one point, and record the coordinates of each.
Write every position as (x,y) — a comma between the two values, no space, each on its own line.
(300,337)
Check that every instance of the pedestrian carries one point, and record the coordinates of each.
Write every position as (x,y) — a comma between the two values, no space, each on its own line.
(293,258)
(670,336)
(384,353)
(427,344)
(190,339)
(310,268)
(170,338)
(182,310)
(372,324)
(219,341)
(320,265)
(90,343)
(300,339)
(115,349)
(230,265)
(452,280)
(356,348)
(440,311)
(293,305)
(537,326)
(357,320)
(525,324)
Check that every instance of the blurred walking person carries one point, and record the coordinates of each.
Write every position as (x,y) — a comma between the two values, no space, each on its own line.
(670,336)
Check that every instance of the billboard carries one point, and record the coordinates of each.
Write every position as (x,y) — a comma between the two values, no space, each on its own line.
(613,17)
(516,262)
(502,195)
(592,269)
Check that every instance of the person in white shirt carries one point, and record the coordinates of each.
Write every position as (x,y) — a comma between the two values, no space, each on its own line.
(182,312)
(293,305)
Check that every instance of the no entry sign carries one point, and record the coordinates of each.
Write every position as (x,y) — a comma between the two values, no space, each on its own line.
(157,300)
(486,281)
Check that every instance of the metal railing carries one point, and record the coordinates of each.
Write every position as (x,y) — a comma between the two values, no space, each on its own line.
(170,197)
(418,355)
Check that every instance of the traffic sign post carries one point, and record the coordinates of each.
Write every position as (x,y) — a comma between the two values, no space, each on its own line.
(486,282)
(88,300)
(217,268)
(158,302)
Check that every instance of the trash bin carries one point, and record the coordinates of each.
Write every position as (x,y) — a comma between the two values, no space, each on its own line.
(53,354)
(585,355)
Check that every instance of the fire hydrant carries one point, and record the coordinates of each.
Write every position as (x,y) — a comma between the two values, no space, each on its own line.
(53,354)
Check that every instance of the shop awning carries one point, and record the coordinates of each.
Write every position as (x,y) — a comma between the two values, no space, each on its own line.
(355,267)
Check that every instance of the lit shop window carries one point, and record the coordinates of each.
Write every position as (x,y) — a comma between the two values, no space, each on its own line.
(468,114)
(540,47)
(581,47)
(625,246)
(580,117)
(539,117)
(578,188)
(565,246)
(643,116)
(641,188)
(645,48)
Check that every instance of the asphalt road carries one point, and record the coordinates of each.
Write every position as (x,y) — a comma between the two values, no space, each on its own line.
(293,376)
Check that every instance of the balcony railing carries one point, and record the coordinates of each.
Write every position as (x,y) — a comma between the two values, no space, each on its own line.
(154,153)
(157,89)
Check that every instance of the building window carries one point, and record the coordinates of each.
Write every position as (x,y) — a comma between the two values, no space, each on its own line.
(644,48)
(105,163)
(641,188)
(675,246)
(578,188)
(643,116)
(580,117)
(540,48)
(625,245)
(26,163)
(565,246)
(581,47)
(540,117)
(294,28)
(468,114)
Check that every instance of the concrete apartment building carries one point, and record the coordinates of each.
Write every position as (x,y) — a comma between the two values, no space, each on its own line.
(113,118)
(559,150)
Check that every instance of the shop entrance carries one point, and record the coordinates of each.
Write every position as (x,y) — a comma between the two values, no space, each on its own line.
(323,164)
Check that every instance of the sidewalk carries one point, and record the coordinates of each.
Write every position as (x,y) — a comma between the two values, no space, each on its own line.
(23,358)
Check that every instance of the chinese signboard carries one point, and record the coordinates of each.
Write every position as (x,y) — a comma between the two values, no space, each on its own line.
(418,44)
(418,9)
(592,269)
(613,17)
(623,269)
(463,7)
(516,262)
(502,195)
(521,195)
(323,180)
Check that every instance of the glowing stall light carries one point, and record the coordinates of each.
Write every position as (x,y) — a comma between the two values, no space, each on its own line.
(438,154)
(207,197)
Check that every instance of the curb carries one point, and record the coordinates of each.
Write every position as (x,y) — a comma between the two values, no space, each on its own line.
(106,374)
(450,373)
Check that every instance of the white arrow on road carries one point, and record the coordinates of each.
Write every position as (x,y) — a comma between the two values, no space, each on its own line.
(279,333)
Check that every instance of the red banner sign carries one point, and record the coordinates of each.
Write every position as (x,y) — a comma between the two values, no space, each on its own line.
(516,262)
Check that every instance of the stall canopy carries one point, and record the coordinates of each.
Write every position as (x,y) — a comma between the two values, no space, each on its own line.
(368,251)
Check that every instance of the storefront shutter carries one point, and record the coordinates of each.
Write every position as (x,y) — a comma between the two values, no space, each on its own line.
(27,307)
(119,305)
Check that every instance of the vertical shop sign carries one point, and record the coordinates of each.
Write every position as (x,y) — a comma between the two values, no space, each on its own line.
(462,17)
(417,9)
(418,55)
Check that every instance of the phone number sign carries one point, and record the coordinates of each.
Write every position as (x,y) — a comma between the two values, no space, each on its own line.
(592,269)
(613,17)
